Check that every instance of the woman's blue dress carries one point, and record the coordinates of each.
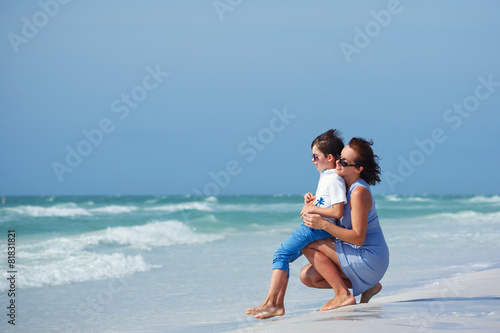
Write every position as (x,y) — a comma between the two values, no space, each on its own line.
(364,265)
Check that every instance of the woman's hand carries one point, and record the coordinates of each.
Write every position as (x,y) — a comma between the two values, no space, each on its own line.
(309,198)
(315,221)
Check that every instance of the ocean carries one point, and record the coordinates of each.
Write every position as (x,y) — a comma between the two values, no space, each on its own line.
(195,264)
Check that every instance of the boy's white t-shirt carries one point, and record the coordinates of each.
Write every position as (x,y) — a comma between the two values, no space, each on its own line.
(331,190)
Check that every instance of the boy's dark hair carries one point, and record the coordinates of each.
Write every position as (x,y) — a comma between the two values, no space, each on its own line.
(330,142)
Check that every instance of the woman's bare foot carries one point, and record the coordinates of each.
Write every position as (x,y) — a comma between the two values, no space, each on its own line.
(367,295)
(339,301)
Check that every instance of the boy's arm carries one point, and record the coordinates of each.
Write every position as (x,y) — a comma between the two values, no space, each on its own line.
(336,211)
(337,193)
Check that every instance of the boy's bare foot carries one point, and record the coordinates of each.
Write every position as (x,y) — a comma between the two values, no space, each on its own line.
(270,312)
(265,311)
(339,301)
(367,295)
(254,311)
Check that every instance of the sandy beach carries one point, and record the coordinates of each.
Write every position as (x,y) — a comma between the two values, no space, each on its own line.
(468,303)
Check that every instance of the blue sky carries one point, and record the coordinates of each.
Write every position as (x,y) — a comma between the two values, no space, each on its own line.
(225,97)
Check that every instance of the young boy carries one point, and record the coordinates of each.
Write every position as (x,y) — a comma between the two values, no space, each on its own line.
(328,202)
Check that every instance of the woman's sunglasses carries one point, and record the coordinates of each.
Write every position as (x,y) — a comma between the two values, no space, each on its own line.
(345,164)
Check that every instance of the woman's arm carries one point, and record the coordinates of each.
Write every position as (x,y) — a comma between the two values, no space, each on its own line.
(360,205)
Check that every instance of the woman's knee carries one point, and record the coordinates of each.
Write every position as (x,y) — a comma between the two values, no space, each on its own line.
(310,249)
(308,252)
(304,276)
(314,245)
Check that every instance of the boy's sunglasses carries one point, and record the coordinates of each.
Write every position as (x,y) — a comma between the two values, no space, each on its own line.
(315,157)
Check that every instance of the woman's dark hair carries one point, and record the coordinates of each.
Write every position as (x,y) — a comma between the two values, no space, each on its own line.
(330,142)
(367,159)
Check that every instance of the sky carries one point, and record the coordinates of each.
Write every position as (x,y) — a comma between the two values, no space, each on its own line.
(225,97)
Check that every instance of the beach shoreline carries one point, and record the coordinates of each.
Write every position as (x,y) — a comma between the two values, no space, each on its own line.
(171,264)
(466,302)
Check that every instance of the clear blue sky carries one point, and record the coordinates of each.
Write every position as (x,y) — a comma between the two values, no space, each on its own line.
(225,97)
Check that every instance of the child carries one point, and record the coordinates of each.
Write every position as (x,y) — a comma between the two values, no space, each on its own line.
(328,202)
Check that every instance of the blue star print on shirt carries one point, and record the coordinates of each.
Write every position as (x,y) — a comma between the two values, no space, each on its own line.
(320,202)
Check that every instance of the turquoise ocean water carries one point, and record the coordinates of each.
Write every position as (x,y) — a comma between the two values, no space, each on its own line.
(187,264)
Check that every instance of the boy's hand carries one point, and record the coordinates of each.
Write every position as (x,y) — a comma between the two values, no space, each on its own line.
(309,198)
(307,209)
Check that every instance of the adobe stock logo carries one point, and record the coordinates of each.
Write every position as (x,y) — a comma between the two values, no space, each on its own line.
(372,29)
(454,117)
(94,137)
(248,149)
(30,28)
(223,6)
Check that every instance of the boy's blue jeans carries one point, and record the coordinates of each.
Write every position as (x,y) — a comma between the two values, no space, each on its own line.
(291,249)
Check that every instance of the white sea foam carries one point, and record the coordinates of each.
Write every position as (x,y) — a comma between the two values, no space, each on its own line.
(495,200)
(156,233)
(67,210)
(274,207)
(397,198)
(72,259)
(211,204)
(467,216)
(419,199)
(211,199)
(201,206)
(5,219)
(439,221)
(392,197)
(114,209)
(63,210)
(85,266)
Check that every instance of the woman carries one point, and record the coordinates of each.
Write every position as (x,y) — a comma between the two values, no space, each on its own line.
(357,256)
